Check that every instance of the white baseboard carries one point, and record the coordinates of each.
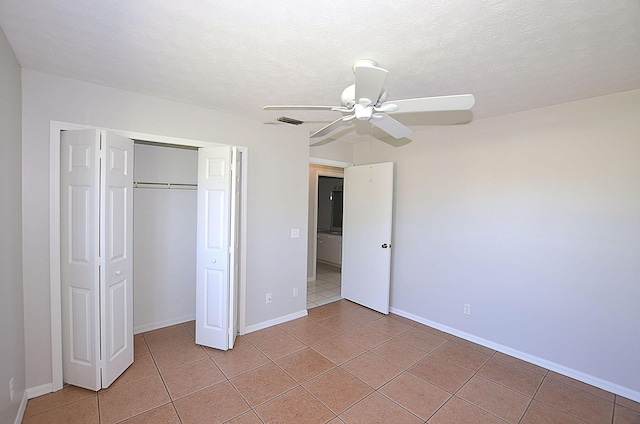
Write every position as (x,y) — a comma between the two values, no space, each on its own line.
(160,324)
(33,392)
(560,369)
(333,264)
(22,408)
(311,279)
(275,321)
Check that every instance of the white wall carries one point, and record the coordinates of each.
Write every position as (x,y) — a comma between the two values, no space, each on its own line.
(534,220)
(277,157)
(340,151)
(164,243)
(11,310)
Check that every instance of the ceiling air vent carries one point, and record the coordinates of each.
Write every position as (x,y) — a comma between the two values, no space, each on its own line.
(288,120)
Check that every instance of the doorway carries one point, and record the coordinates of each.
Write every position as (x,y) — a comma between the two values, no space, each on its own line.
(326,288)
(55,233)
(325,232)
(368,193)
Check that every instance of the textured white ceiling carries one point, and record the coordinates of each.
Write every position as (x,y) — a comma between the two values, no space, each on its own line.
(236,56)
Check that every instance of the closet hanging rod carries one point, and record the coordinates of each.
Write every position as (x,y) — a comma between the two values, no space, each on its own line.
(180,186)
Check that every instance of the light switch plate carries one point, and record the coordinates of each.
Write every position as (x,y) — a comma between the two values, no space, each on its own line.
(295,233)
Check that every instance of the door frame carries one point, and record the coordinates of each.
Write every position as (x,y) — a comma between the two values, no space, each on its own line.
(54,230)
(313,207)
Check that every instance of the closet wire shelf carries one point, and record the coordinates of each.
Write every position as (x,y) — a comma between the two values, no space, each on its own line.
(165,186)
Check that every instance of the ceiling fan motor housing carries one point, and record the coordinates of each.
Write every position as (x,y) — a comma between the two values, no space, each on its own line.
(348,97)
(363,112)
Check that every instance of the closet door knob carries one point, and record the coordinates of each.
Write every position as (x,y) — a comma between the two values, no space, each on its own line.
(119,272)
(213,261)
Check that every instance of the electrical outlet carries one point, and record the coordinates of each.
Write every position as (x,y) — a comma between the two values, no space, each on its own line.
(12,390)
(467,309)
(295,292)
(268,297)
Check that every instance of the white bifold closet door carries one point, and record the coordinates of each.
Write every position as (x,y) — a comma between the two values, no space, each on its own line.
(217,246)
(96,230)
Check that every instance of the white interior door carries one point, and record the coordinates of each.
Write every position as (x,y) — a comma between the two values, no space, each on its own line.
(213,285)
(96,264)
(116,289)
(79,254)
(366,235)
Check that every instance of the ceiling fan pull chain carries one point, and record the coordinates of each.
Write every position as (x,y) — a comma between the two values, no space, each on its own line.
(370,147)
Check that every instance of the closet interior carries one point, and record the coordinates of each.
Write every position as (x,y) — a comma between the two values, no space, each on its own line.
(164,235)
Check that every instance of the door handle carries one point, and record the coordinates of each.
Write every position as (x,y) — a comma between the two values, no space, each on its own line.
(118,272)
(385,246)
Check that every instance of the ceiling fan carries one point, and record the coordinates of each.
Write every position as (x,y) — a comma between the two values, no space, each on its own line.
(366,100)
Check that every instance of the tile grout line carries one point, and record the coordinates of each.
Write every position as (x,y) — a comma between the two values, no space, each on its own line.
(228,380)
(475,373)
(296,386)
(402,406)
(98,403)
(532,398)
(164,383)
(301,385)
(60,406)
(465,383)
(364,321)
(576,388)
(405,369)
(367,350)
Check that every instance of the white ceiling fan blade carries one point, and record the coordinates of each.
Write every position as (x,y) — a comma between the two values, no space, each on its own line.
(390,125)
(369,82)
(331,127)
(430,104)
(298,107)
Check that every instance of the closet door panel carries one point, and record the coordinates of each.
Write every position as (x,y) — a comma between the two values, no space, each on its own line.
(117,273)
(79,254)
(212,247)
(214,315)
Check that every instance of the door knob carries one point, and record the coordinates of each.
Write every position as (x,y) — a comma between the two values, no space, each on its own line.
(385,246)
(118,272)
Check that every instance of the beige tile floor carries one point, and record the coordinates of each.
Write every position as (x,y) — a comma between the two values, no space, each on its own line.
(341,364)
(326,288)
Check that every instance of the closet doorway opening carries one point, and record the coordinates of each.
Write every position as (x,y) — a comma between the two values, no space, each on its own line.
(164,234)
(153,151)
